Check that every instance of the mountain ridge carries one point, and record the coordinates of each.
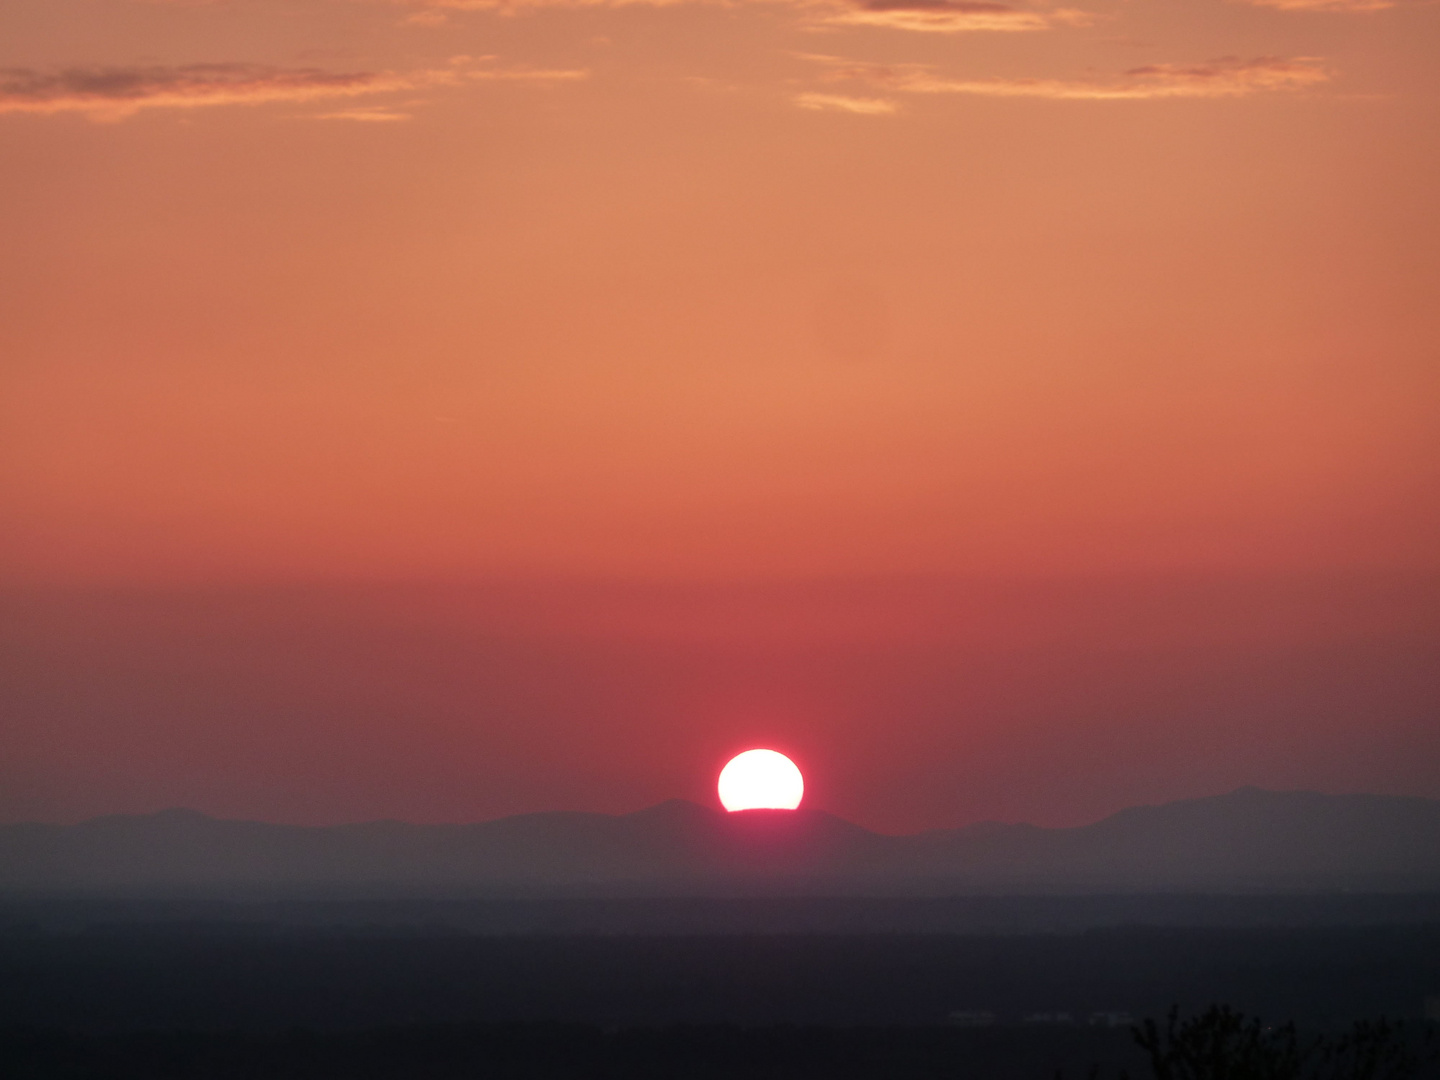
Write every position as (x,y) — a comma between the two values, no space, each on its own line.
(1250,839)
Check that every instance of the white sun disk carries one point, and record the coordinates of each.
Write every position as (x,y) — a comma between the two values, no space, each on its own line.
(761,780)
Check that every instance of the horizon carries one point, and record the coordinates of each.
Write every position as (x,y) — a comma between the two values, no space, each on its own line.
(720,812)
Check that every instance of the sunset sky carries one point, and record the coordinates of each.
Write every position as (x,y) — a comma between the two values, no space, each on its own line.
(441,410)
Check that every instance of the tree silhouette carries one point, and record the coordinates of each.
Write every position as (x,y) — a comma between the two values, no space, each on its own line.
(1223,1044)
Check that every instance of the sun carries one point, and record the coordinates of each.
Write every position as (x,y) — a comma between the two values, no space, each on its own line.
(761,780)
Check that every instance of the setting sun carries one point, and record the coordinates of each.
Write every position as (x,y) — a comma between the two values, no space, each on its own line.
(761,780)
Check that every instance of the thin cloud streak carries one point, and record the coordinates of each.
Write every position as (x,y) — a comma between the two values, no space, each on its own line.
(118,92)
(114,93)
(1325,5)
(926,16)
(366,116)
(1226,77)
(518,75)
(843,103)
(511,6)
(943,18)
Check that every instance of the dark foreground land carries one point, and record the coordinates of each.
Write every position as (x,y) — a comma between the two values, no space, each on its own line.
(207,978)
(579,1051)
(305,998)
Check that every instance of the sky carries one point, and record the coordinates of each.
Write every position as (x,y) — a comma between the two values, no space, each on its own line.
(443,409)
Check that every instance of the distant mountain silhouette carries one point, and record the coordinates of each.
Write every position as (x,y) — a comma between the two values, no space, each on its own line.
(1248,840)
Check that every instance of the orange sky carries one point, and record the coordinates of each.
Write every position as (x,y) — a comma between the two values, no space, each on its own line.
(838,305)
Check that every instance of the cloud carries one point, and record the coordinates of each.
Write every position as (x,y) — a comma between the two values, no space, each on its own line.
(1222,78)
(935,16)
(943,16)
(365,116)
(842,103)
(516,75)
(113,93)
(1325,5)
(511,6)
